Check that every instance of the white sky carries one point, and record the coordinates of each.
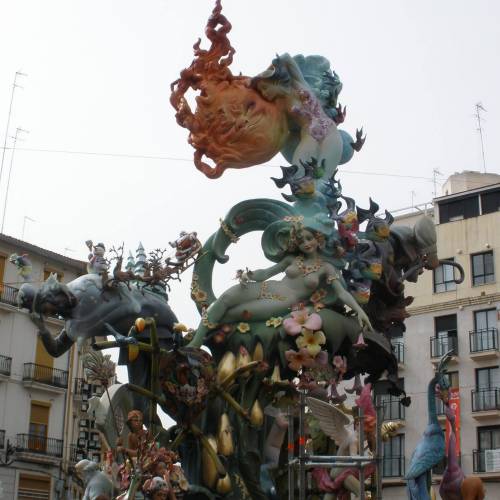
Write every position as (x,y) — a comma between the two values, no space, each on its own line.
(99,74)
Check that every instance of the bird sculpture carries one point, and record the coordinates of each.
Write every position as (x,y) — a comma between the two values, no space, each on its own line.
(454,484)
(430,450)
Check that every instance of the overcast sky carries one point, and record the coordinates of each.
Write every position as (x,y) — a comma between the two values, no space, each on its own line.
(99,75)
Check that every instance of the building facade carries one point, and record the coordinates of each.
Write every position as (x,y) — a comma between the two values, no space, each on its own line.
(459,317)
(42,399)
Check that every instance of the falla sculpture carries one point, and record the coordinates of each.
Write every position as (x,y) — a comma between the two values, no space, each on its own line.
(328,319)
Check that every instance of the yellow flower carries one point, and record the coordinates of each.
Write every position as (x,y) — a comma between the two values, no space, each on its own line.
(275,322)
(312,341)
(180,327)
(199,295)
(243,327)
(318,295)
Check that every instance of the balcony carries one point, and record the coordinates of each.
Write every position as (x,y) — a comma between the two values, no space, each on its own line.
(2,439)
(441,345)
(5,366)
(483,344)
(33,448)
(486,462)
(8,295)
(45,378)
(392,408)
(485,403)
(393,467)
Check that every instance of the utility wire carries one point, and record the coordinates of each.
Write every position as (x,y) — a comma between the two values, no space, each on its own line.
(172,158)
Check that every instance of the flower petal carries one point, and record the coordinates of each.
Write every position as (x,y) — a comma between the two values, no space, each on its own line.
(314,322)
(313,349)
(319,337)
(292,327)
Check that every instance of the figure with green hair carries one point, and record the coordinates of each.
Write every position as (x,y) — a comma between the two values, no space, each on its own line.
(298,252)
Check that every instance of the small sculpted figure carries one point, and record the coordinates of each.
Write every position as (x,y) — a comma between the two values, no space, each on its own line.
(23,264)
(186,245)
(97,262)
(138,435)
(98,485)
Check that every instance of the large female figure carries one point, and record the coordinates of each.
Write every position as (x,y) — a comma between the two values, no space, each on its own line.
(307,90)
(257,297)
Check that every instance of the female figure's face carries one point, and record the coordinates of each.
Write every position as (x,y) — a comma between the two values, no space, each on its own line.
(308,243)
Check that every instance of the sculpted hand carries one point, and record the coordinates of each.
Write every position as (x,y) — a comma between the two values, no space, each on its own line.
(364,321)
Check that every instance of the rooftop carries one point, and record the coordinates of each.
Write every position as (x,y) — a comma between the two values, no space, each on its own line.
(78,265)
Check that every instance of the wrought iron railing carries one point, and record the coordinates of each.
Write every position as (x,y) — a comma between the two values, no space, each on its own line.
(392,407)
(45,375)
(393,466)
(399,351)
(485,399)
(2,439)
(8,294)
(483,340)
(39,444)
(441,345)
(5,365)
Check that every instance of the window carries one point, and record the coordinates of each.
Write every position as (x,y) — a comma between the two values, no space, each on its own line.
(482,268)
(490,202)
(445,338)
(464,208)
(488,438)
(394,456)
(486,396)
(484,337)
(31,486)
(487,378)
(392,408)
(39,423)
(444,278)
(2,270)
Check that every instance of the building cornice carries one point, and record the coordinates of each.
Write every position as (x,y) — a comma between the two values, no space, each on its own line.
(455,304)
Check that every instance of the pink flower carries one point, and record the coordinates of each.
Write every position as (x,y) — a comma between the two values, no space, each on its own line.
(340,364)
(301,319)
(297,360)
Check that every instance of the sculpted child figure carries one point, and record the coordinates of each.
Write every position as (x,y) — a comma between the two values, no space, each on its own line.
(257,298)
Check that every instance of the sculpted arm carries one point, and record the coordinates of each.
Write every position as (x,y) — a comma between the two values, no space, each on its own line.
(265,274)
(293,68)
(346,298)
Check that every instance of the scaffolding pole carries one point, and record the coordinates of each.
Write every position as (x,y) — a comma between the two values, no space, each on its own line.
(304,461)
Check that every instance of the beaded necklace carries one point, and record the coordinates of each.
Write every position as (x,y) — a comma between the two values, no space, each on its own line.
(308,269)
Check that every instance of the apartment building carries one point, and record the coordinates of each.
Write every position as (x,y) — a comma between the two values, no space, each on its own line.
(460,317)
(42,399)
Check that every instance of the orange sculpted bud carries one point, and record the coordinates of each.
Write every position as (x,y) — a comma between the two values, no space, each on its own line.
(140,324)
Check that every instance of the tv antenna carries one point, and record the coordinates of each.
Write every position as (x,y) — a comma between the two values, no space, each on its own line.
(16,138)
(435,173)
(479,108)
(14,87)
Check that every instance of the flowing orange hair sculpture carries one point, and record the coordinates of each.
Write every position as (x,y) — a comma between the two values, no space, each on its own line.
(232,124)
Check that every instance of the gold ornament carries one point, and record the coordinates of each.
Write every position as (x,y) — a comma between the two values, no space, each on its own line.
(256,414)
(209,470)
(227,366)
(225,436)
